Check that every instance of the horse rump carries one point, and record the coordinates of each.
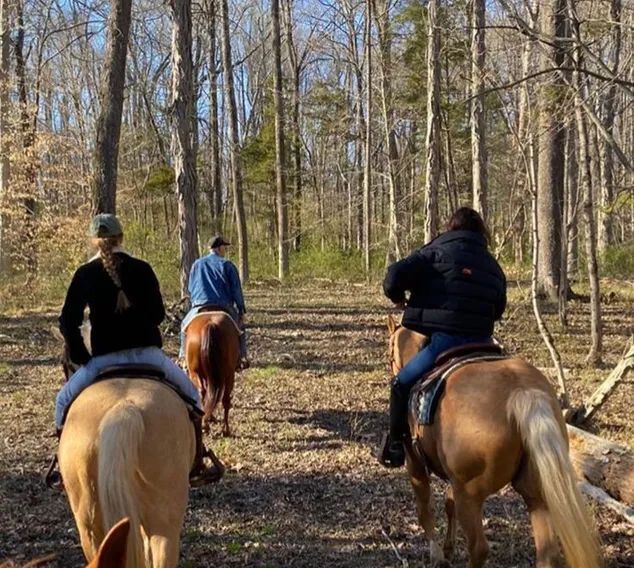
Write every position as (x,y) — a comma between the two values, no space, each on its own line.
(212,376)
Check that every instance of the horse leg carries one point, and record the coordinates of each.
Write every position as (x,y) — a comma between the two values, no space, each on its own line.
(226,403)
(469,513)
(450,510)
(165,549)
(419,479)
(546,546)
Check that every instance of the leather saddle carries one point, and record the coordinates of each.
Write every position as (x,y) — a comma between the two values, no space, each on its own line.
(139,371)
(427,392)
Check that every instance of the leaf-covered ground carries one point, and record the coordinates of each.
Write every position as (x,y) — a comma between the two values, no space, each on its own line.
(303,488)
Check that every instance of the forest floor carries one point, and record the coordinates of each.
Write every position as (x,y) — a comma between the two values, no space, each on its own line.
(302,487)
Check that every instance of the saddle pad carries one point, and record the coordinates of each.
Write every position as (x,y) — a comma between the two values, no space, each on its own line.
(145,372)
(426,395)
(217,313)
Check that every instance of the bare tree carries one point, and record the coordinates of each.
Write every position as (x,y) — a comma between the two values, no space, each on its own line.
(214,193)
(106,155)
(550,182)
(610,102)
(280,154)
(234,143)
(183,155)
(432,178)
(384,28)
(367,180)
(5,39)
(478,116)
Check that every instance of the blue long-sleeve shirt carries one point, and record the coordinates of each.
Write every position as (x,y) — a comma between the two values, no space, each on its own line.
(215,280)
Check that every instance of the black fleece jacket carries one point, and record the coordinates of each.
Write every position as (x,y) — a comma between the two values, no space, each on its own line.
(455,286)
(110,331)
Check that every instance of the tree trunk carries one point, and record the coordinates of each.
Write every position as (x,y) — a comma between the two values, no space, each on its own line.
(234,144)
(550,182)
(296,151)
(106,156)
(385,44)
(367,178)
(214,193)
(594,356)
(606,237)
(184,159)
(478,115)
(605,464)
(432,178)
(280,153)
(5,39)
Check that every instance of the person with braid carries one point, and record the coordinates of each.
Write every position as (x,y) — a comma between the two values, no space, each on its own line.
(126,307)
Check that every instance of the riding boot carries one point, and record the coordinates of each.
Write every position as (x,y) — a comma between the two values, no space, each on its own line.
(393,449)
(201,474)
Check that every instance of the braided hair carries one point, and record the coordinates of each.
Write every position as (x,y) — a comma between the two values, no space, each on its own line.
(111,265)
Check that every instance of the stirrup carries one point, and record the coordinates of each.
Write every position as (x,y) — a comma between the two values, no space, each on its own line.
(203,474)
(53,478)
(243,364)
(387,457)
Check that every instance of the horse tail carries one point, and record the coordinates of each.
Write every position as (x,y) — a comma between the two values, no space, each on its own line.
(211,367)
(545,443)
(120,437)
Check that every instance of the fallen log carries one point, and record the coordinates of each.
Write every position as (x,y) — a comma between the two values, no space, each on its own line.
(596,400)
(603,464)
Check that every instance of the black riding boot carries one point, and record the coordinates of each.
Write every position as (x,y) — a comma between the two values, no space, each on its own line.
(393,450)
(201,474)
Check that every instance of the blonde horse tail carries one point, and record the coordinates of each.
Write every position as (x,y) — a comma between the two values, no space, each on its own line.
(545,443)
(120,436)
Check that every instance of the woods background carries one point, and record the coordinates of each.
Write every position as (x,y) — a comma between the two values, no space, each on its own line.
(325,138)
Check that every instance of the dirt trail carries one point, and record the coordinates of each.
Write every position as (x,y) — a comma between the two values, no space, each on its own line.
(303,488)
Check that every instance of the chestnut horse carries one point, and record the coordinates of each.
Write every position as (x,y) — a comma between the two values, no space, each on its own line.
(498,422)
(126,450)
(212,351)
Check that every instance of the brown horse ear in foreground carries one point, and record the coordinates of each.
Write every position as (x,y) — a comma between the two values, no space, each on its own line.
(113,550)
(498,422)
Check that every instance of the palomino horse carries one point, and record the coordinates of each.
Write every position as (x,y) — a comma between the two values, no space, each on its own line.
(498,422)
(126,450)
(212,349)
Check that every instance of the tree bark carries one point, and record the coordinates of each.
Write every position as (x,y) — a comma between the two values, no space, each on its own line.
(385,49)
(106,156)
(183,156)
(605,464)
(234,144)
(214,193)
(550,183)
(432,178)
(581,92)
(296,147)
(367,178)
(478,115)
(280,153)
(606,231)
(5,39)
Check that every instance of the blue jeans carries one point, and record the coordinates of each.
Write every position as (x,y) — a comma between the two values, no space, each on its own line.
(192,314)
(85,376)
(424,360)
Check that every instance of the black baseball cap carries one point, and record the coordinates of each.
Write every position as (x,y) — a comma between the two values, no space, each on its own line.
(217,241)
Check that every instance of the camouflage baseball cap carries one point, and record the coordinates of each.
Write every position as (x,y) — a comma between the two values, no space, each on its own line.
(105,225)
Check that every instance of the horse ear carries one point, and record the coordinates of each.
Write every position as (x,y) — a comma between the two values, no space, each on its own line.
(392,326)
(114,548)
